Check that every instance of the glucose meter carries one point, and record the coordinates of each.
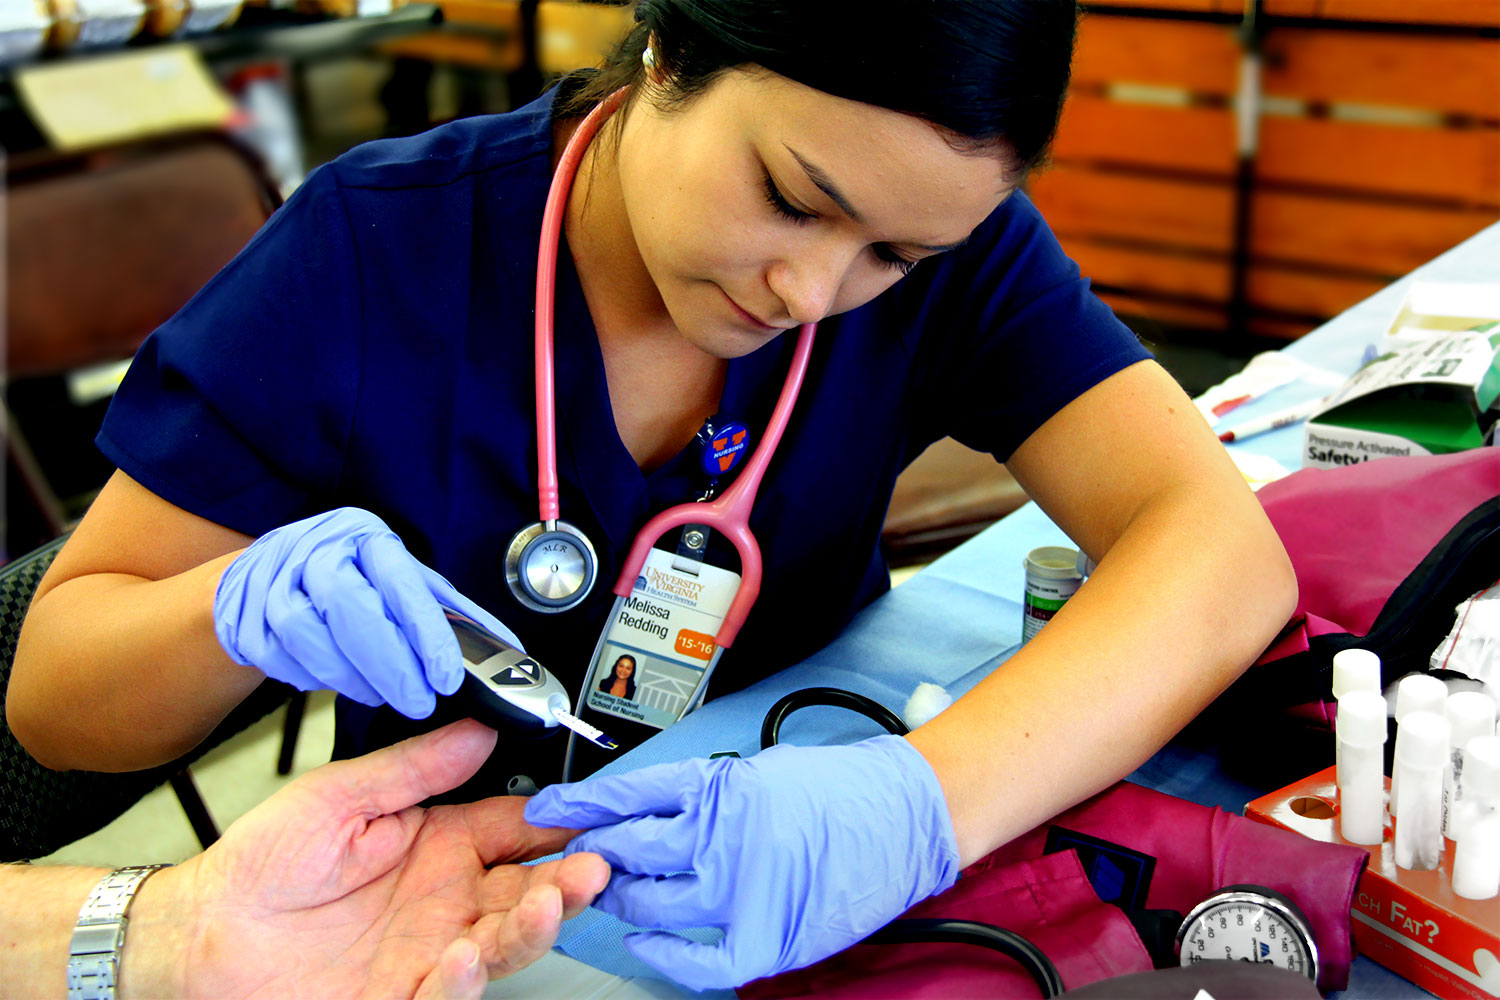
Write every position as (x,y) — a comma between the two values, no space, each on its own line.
(506,689)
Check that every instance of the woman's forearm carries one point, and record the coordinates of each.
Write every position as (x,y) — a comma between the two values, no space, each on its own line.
(1186,598)
(116,673)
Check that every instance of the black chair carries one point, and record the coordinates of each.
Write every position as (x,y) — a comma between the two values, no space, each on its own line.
(42,810)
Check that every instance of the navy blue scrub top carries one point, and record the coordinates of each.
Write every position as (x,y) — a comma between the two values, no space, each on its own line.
(372,346)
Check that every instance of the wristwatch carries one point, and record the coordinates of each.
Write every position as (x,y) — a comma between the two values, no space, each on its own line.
(99,935)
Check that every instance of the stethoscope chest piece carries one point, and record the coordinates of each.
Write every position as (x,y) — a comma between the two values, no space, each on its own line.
(550,566)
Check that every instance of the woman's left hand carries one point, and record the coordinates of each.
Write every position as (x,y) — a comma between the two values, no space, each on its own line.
(795,853)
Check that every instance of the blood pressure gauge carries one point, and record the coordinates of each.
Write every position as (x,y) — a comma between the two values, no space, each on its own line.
(1248,923)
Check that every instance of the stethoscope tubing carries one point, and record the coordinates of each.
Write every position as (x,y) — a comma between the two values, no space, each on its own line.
(546,297)
(730,513)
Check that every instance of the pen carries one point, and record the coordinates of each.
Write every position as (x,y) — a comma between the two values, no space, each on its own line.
(1272,421)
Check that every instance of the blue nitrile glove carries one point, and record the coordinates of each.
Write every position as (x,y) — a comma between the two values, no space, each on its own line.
(336,602)
(796,853)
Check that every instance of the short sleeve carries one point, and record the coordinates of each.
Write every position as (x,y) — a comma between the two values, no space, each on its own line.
(239,408)
(1012,334)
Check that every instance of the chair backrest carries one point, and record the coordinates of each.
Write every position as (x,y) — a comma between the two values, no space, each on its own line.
(105,245)
(102,247)
(42,810)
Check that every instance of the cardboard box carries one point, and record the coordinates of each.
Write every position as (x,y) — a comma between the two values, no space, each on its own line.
(1432,392)
(1410,922)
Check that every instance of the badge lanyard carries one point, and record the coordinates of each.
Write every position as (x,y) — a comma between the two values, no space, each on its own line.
(551,565)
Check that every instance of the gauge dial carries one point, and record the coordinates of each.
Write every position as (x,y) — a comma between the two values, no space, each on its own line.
(1248,923)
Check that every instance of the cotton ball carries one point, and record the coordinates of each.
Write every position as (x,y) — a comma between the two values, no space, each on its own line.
(925,704)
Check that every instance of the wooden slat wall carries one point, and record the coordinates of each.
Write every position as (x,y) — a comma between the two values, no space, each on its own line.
(1360,235)
(487,34)
(1454,74)
(1379,149)
(1469,13)
(1101,132)
(482,34)
(1203,58)
(572,35)
(1476,13)
(1099,205)
(1435,164)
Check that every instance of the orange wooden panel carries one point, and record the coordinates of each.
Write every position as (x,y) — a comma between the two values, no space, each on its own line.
(1299,291)
(1097,130)
(492,13)
(1199,6)
(1143,272)
(1475,12)
(1166,312)
(572,35)
(456,48)
(1445,74)
(1376,237)
(1200,57)
(1081,202)
(1458,164)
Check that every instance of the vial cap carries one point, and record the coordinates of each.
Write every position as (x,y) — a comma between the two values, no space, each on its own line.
(1482,767)
(1420,693)
(1471,714)
(1422,740)
(1361,720)
(1355,670)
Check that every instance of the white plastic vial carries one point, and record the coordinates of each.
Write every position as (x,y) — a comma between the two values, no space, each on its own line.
(1353,670)
(1415,693)
(1476,862)
(1471,714)
(1361,728)
(1476,856)
(1421,751)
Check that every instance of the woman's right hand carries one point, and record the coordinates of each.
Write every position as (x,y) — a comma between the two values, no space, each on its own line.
(335,601)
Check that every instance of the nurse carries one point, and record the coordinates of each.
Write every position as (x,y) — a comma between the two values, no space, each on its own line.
(346,412)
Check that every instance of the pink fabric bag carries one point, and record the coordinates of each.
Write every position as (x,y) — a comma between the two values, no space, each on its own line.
(1048,898)
(1384,551)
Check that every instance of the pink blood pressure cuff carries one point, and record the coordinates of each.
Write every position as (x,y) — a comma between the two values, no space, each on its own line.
(1067,886)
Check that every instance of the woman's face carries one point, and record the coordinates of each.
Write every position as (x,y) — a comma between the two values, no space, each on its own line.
(624,668)
(764,204)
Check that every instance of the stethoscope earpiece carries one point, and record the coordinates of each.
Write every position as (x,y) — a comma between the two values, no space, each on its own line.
(550,568)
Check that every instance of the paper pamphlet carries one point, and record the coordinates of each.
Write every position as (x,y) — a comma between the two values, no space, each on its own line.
(85,102)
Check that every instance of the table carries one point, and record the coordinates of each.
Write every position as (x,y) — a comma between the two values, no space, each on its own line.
(952,624)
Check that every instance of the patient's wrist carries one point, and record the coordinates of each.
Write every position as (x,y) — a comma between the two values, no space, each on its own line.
(163,921)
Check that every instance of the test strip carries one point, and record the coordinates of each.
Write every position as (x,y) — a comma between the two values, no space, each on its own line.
(588,732)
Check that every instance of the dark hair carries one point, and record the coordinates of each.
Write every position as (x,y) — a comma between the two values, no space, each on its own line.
(984,71)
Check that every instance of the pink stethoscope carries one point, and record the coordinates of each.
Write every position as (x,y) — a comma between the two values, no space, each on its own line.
(550,565)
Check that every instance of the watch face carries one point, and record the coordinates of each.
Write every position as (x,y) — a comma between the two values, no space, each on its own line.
(1248,926)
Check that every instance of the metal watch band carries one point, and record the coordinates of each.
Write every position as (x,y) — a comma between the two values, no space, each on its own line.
(99,935)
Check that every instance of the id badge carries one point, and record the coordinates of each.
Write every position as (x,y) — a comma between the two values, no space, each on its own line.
(657,650)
